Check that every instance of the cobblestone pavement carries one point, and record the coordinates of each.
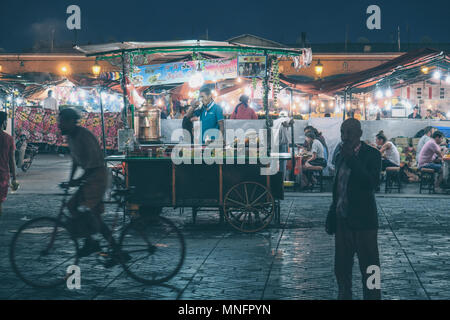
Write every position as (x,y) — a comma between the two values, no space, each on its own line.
(294,261)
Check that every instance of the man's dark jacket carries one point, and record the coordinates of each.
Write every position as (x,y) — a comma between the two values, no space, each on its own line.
(363,181)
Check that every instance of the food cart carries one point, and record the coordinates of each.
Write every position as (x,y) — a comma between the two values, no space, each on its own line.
(247,200)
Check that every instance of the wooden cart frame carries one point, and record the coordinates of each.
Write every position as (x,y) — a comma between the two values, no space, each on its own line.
(247,200)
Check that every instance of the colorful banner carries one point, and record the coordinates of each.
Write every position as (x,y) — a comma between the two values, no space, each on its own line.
(181,72)
(41,126)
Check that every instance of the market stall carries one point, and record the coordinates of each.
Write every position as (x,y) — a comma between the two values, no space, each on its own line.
(246,197)
(25,96)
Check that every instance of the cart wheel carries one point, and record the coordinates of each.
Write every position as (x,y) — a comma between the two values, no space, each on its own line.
(26,166)
(249,206)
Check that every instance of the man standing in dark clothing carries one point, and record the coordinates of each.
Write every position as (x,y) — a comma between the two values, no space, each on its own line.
(353,214)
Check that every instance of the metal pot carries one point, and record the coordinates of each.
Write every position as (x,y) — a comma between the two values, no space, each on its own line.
(149,124)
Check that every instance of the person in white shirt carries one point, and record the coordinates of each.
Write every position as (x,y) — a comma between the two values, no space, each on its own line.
(281,135)
(50,102)
(391,156)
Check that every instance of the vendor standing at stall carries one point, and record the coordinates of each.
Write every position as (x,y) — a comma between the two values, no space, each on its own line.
(210,116)
(243,111)
(50,102)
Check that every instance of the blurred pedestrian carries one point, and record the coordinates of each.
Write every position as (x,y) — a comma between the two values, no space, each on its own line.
(7,162)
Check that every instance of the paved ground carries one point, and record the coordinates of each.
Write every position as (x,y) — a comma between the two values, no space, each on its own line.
(291,262)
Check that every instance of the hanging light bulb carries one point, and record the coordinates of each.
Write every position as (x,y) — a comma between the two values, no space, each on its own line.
(96,69)
(196,80)
(389,92)
(437,74)
(379,94)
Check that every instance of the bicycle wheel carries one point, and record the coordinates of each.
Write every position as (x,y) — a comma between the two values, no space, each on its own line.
(156,248)
(41,251)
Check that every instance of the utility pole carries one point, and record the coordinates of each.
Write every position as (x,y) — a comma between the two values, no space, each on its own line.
(52,42)
(346,37)
(407,35)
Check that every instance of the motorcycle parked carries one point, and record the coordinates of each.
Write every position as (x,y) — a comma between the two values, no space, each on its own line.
(25,153)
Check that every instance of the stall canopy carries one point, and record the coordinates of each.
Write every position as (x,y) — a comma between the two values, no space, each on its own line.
(172,50)
(398,72)
(129,55)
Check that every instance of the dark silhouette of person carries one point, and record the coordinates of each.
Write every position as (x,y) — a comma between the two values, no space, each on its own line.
(353,216)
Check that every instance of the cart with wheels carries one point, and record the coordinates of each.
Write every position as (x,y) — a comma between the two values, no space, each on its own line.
(246,199)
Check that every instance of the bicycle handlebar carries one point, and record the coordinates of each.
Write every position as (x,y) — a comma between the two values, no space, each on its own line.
(64,186)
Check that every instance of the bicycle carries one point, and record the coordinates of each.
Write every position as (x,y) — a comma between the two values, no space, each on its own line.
(151,249)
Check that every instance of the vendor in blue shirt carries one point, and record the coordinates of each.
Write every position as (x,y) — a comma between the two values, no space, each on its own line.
(210,115)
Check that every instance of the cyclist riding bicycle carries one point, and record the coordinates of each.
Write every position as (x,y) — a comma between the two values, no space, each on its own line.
(86,205)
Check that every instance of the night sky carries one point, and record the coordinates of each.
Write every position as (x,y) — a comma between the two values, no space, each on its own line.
(26,23)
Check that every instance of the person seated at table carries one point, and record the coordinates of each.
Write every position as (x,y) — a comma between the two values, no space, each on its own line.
(427,133)
(431,156)
(388,150)
(316,160)
(415,114)
(429,114)
(243,111)
(319,137)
